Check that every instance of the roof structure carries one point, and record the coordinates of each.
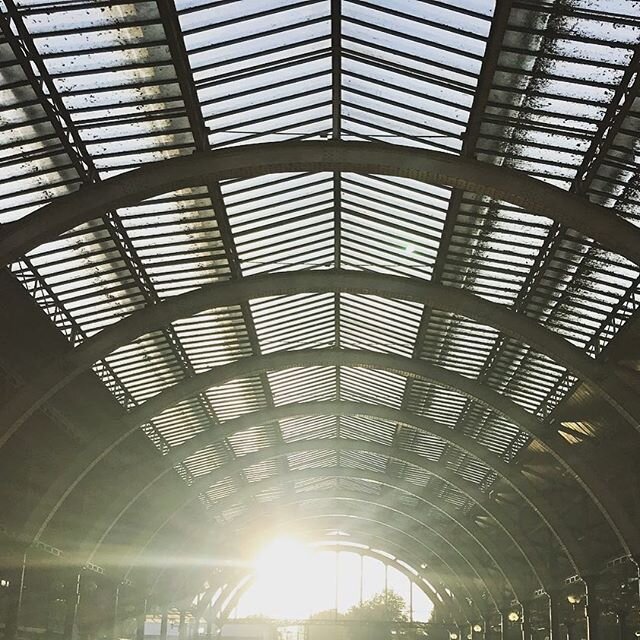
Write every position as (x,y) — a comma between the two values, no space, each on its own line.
(316,261)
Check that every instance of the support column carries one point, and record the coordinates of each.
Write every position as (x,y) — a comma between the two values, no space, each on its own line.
(592,609)
(525,621)
(182,626)
(16,562)
(140,620)
(504,624)
(72,601)
(114,623)
(209,630)
(164,625)
(554,615)
(621,619)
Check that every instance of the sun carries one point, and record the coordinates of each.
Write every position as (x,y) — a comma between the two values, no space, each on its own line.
(283,557)
(291,581)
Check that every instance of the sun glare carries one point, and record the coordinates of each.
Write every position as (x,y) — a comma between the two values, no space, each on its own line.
(282,556)
(293,581)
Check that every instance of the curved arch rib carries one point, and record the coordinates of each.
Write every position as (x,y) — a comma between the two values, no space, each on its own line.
(433,167)
(461,561)
(607,503)
(100,447)
(512,475)
(451,604)
(486,544)
(600,376)
(499,515)
(377,542)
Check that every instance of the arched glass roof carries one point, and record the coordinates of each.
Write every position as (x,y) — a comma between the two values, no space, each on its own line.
(91,90)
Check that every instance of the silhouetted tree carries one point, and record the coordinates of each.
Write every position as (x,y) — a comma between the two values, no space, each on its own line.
(376,616)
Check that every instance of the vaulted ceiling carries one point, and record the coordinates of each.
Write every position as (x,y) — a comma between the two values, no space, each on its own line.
(371,263)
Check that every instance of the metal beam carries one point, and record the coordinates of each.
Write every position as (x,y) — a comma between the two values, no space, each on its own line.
(456,565)
(462,561)
(452,605)
(184,73)
(599,375)
(478,537)
(559,448)
(175,506)
(127,189)
(371,531)
(512,476)
(487,545)
(402,553)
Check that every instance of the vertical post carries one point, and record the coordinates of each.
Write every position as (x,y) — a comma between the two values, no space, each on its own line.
(554,615)
(209,630)
(114,623)
(411,600)
(592,609)
(504,624)
(386,583)
(72,601)
(164,624)
(525,621)
(17,562)
(182,626)
(337,582)
(621,619)
(141,618)
(486,627)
